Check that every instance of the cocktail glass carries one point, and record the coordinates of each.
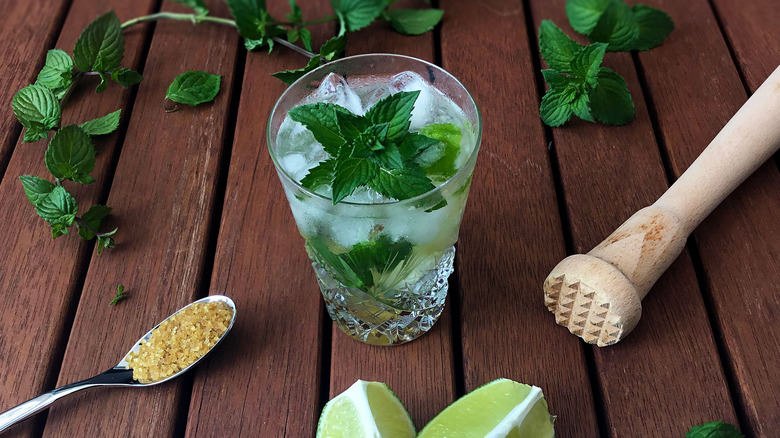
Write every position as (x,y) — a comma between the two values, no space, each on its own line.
(382,264)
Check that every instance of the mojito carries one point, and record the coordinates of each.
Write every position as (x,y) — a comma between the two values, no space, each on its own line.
(375,153)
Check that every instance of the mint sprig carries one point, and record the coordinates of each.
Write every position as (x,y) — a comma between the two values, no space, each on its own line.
(624,28)
(367,150)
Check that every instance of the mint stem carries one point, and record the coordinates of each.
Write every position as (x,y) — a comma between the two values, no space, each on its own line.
(86,225)
(195,19)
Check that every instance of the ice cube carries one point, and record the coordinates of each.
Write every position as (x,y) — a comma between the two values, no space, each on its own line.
(335,89)
(295,165)
(349,231)
(422,114)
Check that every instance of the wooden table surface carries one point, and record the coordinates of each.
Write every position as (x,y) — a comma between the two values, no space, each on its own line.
(200,210)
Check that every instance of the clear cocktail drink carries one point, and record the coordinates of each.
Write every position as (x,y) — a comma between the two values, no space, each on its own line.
(382,263)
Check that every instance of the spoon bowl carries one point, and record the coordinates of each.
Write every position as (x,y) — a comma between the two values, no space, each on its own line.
(119,375)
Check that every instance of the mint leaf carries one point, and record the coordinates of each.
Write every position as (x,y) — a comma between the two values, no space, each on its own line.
(320,119)
(306,38)
(93,217)
(388,157)
(58,208)
(584,14)
(351,173)
(37,109)
(120,294)
(396,110)
(255,25)
(654,26)
(100,46)
(714,429)
(404,183)
(57,74)
(71,155)
(126,77)
(618,27)
(295,15)
(611,101)
(58,230)
(449,137)
(290,76)
(194,87)
(357,14)
(586,62)
(413,21)
(333,47)
(352,127)
(580,106)
(555,109)
(556,47)
(36,189)
(102,125)
(414,143)
(320,175)
(197,5)
(555,79)
(105,242)
(34,132)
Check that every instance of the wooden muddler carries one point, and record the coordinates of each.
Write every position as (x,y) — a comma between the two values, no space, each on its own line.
(598,295)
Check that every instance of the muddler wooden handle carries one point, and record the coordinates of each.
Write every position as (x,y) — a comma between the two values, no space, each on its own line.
(598,295)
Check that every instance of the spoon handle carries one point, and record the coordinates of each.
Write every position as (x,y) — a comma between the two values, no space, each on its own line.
(31,407)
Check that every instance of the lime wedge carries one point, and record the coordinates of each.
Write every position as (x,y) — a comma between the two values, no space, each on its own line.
(365,410)
(499,409)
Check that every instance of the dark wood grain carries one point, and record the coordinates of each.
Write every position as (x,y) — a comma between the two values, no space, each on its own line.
(739,244)
(41,274)
(752,32)
(29,30)
(265,380)
(162,194)
(420,372)
(511,234)
(607,174)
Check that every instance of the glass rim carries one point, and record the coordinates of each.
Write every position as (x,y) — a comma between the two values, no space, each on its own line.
(281,170)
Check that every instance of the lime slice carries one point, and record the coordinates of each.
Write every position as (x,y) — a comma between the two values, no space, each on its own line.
(365,410)
(499,409)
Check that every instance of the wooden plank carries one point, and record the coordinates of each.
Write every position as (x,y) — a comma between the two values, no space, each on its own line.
(265,380)
(162,194)
(739,243)
(32,26)
(422,371)
(751,30)
(624,172)
(41,272)
(511,233)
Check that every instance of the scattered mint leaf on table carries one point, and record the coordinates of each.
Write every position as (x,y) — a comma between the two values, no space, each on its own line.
(617,26)
(194,87)
(36,189)
(610,101)
(556,47)
(100,46)
(120,295)
(92,219)
(71,155)
(654,26)
(102,125)
(413,21)
(198,6)
(584,14)
(126,77)
(714,429)
(357,14)
(37,109)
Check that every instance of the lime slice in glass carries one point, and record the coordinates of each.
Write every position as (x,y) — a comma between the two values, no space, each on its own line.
(499,409)
(366,409)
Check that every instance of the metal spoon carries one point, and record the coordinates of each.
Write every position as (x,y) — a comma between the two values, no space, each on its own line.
(119,375)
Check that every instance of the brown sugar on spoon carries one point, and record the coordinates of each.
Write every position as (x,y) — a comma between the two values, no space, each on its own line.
(598,295)
(180,340)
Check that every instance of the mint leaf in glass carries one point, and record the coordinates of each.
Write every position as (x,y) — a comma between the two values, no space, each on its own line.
(320,119)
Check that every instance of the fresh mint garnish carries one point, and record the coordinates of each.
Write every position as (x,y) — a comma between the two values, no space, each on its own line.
(102,125)
(413,21)
(375,150)
(194,87)
(714,429)
(439,160)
